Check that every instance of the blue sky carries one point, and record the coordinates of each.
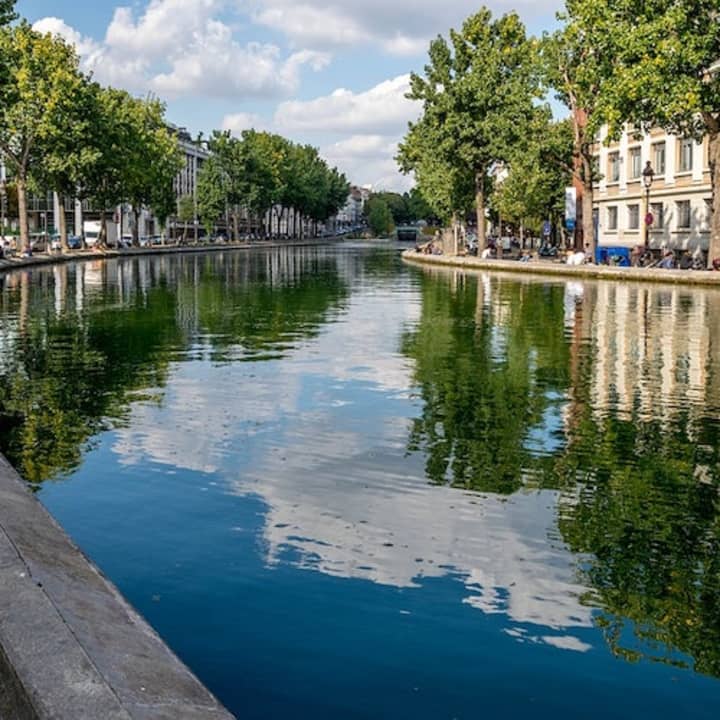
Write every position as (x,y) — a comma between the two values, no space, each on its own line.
(329,72)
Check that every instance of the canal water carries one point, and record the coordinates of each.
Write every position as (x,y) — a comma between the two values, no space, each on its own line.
(341,487)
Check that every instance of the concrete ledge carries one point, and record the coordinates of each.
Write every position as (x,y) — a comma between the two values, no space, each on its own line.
(71,647)
(603,272)
(9,264)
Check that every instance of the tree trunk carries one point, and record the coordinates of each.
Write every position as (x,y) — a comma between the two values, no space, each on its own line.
(480,210)
(588,222)
(236,227)
(102,235)
(21,185)
(136,227)
(62,223)
(714,152)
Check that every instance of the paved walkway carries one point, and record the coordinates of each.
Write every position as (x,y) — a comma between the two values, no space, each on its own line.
(542,267)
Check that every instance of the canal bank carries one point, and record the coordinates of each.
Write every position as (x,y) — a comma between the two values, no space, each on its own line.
(71,647)
(704,278)
(41,259)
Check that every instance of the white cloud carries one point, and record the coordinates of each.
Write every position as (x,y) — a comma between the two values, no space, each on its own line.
(237,122)
(369,124)
(368,160)
(382,109)
(402,27)
(180,48)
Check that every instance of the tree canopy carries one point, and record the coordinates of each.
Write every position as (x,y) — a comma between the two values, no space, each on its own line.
(477,94)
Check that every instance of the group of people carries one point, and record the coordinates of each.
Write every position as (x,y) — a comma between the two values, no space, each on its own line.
(429,248)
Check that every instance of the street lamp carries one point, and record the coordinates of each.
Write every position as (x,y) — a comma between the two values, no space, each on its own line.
(648,175)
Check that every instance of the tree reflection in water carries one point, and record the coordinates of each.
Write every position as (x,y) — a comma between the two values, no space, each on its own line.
(634,448)
(81,342)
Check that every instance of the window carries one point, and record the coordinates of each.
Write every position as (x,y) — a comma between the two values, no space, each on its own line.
(686,155)
(658,151)
(635,163)
(633,217)
(614,167)
(683,214)
(658,213)
(612,218)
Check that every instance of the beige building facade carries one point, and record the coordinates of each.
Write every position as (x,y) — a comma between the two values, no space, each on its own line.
(679,200)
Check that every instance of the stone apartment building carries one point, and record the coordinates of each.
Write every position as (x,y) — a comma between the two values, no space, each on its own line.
(679,198)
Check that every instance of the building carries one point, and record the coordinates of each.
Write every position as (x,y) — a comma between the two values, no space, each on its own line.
(352,212)
(195,153)
(677,206)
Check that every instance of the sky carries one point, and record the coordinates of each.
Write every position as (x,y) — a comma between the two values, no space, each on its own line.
(332,73)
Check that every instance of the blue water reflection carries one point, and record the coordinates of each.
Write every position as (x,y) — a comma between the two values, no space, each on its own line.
(309,527)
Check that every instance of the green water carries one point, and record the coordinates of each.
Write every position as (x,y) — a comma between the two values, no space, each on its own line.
(339,486)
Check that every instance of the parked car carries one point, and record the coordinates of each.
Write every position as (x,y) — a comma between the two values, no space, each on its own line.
(74,242)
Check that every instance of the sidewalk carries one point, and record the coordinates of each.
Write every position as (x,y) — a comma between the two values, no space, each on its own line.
(546,267)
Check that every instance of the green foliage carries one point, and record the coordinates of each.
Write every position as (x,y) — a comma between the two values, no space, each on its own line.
(260,171)
(152,159)
(406,208)
(7,12)
(538,173)
(213,192)
(380,216)
(664,72)
(477,94)
(418,206)
(72,375)
(38,104)
(186,209)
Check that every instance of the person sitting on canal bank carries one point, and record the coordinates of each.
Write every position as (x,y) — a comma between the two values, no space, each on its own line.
(637,254)
(716,264)
(668,261)
(686,261)
(487,253)
(575,258)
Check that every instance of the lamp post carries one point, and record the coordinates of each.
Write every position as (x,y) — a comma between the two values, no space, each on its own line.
(648,176)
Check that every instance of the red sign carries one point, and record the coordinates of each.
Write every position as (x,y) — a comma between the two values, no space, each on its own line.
(649,219)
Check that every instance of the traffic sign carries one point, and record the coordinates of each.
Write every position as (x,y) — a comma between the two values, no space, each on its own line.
(570,224)
(547,228)
(649,219)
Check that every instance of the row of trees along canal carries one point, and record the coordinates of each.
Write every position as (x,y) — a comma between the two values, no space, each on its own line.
(61,131)
(612,62)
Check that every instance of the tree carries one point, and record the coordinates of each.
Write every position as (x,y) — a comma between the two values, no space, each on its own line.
(185,212)
(380,217)
(153,161)
(212,192)
(477,94)
(418,206)
(538,172)
(578,69)
(665,72)
(7,12)
(37,102)
(111,127)
(67,152)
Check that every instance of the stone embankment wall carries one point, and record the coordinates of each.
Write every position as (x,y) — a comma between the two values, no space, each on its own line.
(71,647)
(655,275)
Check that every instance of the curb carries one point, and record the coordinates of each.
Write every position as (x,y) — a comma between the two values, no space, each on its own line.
(704,278)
